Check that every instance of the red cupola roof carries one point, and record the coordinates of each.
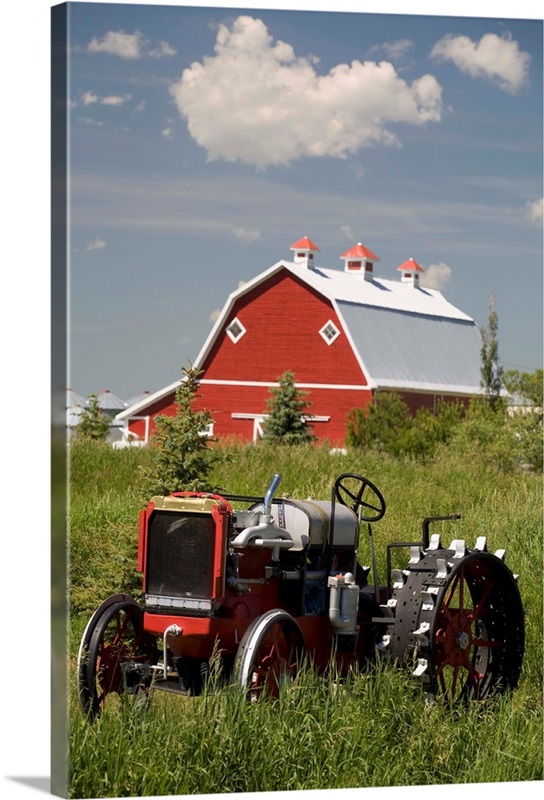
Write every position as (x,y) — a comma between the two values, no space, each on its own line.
(304,244)
(410,266)
(360,251)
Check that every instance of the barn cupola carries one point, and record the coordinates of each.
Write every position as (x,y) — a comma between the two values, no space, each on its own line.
(304,251)
(410,272)
(360,259)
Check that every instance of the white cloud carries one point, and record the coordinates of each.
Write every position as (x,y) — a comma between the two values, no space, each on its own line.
(115,99)
(256,102)
(214,316)
(168,133)
(395,50)
(495,58)
(535,211)
(347,233)
(118,43)
(129,46)
(246,234)
(96,244)
(436,276)
(163,49)
(91,98)
(90,121)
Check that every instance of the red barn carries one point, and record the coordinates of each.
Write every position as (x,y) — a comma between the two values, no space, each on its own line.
(345,334)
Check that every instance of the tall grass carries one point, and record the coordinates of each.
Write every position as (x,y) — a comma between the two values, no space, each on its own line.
(374,730)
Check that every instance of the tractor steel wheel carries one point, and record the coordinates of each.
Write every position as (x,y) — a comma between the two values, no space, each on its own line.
(269,654)
(459,619)
(113,640)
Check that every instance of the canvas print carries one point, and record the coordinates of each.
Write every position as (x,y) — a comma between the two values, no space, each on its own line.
(297,456)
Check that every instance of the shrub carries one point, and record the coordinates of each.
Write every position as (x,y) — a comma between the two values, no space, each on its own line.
(489,435)
(384,425)
(182,458)
(387,426)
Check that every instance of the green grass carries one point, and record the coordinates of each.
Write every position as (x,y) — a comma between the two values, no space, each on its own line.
(374,730)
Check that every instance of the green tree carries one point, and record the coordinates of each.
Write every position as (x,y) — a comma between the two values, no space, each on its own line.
(182,456)
(383,425)
(528,384)
(431,429)
(491,370)
(288,408)
(93,423)
(387,425)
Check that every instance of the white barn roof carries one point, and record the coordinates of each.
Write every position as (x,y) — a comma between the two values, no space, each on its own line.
(349,287)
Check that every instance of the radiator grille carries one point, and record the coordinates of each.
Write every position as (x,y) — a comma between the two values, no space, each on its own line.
(180,553)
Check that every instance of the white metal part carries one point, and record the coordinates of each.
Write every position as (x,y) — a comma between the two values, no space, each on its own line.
(422,665)
(500,554)
(385,642)
(282,544)
(265,531)
(171,630)
(344,602)
(178,603)
(442,568)
(460,547)
(399,578)
(435,543)
(415,554)
(481,544)
(428,598)
(421,633)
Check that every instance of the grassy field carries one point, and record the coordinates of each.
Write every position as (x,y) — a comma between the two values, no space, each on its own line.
(374,730)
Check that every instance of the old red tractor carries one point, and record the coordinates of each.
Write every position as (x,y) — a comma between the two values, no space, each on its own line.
(266,582)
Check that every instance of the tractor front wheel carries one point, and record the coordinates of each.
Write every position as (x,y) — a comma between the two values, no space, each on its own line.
(113,653)
(269,654)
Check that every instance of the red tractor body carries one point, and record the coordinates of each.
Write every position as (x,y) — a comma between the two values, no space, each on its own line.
(266,582)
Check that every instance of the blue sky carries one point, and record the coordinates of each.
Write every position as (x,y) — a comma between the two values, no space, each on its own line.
(204,141)
(453,191)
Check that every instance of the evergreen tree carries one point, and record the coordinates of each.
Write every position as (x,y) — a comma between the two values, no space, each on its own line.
(491,370)
(182,458)
(93,423)
(287,408)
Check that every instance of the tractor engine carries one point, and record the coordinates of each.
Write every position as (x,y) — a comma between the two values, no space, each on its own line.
(202,558)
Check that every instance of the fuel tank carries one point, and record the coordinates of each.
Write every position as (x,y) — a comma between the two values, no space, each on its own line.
(310,520)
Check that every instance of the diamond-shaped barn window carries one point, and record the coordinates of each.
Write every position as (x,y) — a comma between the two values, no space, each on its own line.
(235,330)
(329,332)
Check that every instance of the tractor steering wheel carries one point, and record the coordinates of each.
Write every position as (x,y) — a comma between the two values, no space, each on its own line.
(349,489)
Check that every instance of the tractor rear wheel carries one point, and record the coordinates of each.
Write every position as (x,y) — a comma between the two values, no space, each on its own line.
(269,654)
(112,648)
(460,621)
